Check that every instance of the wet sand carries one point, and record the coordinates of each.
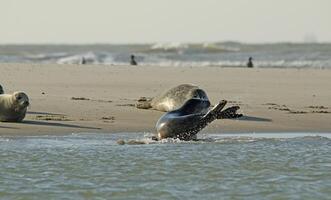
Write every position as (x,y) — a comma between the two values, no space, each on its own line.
(69,99)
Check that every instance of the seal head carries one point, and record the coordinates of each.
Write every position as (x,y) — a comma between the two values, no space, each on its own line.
(13,107)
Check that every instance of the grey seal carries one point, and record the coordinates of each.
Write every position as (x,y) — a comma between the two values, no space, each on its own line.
(185,122)
(173,98)
(13,107)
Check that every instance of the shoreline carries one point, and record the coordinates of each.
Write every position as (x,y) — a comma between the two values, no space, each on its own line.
(68,99)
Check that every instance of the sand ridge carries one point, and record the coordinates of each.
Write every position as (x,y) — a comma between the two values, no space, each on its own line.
(69,99)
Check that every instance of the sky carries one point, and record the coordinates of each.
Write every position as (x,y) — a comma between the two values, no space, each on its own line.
(148,21)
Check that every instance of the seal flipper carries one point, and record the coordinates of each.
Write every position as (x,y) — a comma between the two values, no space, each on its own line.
(215,112)
(210,116)
(144,103)
(229,113)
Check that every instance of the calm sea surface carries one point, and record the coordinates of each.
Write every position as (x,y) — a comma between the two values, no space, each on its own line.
(223,166)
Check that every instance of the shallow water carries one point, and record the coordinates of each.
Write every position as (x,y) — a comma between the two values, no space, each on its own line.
(222,166)
(280,55)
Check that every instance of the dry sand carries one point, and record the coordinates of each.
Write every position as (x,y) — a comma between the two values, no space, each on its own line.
(69,99)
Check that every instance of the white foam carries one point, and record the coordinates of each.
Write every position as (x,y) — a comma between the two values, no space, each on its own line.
(89,57)
(169,46)
(212,47)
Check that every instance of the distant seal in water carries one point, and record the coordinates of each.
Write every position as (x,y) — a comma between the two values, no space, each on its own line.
(133,61)
(1,90)
(13,106)
(185,122)
(173,98)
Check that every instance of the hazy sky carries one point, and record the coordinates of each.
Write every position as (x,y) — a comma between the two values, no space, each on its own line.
(140,21)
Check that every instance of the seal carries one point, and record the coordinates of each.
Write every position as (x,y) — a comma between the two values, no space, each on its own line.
(13,106)
(1,90)
(185,122)
(173,98)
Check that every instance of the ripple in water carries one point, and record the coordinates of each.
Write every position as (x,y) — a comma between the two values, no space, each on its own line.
(220,166)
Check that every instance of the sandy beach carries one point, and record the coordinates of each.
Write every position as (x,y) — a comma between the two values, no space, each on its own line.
(69,99)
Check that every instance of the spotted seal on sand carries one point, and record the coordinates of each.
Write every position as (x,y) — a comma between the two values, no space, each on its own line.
(13,106)
(173,98)
(185,122)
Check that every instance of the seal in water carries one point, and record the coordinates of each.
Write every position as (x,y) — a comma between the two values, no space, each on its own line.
(13,106)
(185,122)
(173,98)
(1,90)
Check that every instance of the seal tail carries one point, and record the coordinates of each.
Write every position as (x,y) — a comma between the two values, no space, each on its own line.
(144,103)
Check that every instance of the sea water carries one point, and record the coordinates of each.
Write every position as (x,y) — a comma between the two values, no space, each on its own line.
(219,166)
(221,54)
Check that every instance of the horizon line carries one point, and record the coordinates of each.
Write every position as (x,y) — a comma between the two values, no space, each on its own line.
(161,42)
